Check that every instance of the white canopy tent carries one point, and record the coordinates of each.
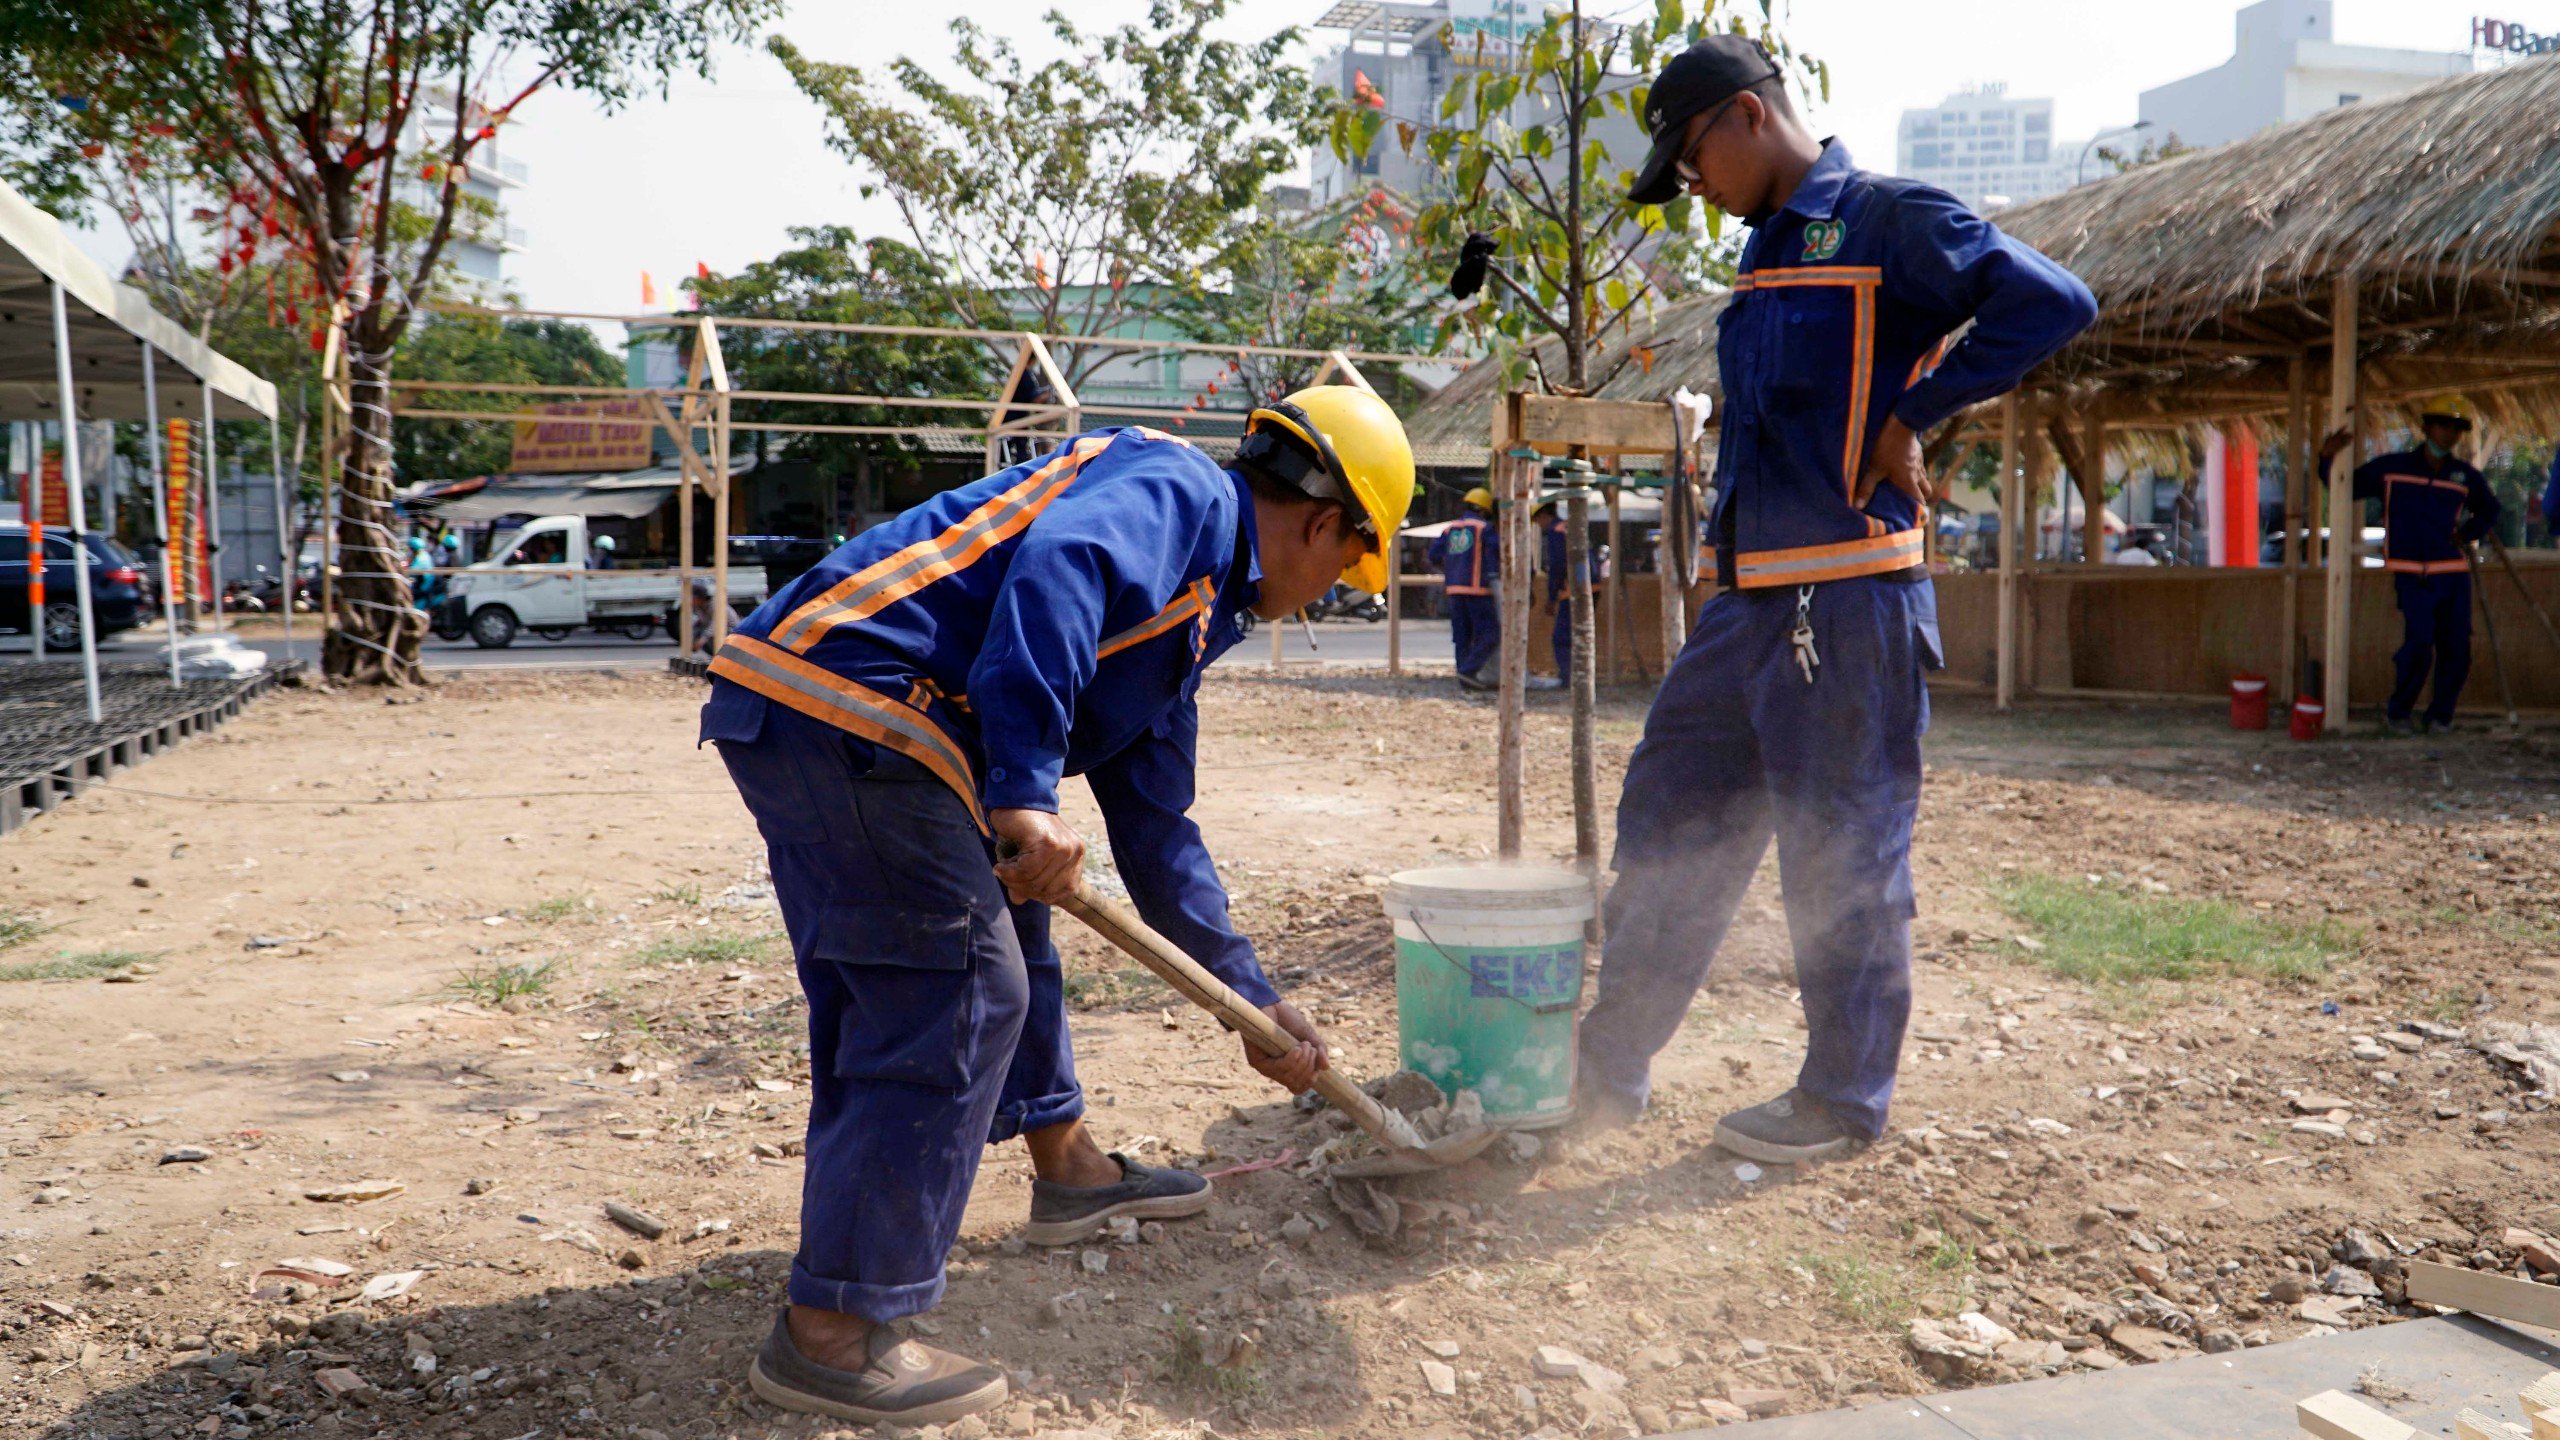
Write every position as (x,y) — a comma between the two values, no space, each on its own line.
(77,345)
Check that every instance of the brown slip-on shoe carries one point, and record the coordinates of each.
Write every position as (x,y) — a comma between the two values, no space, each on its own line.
(904,1384)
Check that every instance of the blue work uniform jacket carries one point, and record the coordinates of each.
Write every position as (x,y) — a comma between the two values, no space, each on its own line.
(2425,527)
(1052,619)
(1556,554)
(1469,555)
(1839,315)
(2551,495)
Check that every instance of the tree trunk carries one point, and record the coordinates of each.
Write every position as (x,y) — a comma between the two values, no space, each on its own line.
(374,626)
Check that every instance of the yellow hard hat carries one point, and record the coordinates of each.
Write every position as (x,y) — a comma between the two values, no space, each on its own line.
(1361,459)
(1479,498)
(2448,409)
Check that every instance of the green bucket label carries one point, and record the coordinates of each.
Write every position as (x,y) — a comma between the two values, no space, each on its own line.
(1537,978)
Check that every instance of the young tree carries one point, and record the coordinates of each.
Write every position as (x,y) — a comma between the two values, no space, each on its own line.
(321,124)
(1083,190)
(1573,256)
(831,274)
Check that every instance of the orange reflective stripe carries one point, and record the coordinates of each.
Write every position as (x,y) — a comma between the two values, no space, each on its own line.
(884,582)
(779,675)
(1862,359)
(1194,600)
(2428,567)
(1806,564)
(1811,275)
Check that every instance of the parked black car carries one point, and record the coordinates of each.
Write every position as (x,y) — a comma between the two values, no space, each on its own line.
(116,594)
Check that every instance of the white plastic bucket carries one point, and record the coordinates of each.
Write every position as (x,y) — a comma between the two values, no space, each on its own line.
(1489,967)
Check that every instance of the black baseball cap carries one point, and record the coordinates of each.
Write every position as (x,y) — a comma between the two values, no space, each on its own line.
(1698,79)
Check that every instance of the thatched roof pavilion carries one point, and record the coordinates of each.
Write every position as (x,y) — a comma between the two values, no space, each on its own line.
(1650,358)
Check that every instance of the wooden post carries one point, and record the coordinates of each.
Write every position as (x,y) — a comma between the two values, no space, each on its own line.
(2299,450)
(2343,527)
(1519,481)
(1395,604)
(2093,490)
(1279,631)
(720,523)
(1616,603)
(2035,463)
(2005,685)
(1584,677)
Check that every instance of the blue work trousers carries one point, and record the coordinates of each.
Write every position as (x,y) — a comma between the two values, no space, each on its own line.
(1560,639)
(937,1018)
(1738,747)
(2435,615)
(1475,627)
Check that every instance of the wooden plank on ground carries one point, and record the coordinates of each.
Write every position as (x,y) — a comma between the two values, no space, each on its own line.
(2542,1394)
(2337,1415)
(2472,1425)
(2496,1296)
(2546,1424)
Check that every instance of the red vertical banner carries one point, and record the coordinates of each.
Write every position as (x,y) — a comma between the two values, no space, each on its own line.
(47,481)
(57,496)
(2239,533)
(187,576)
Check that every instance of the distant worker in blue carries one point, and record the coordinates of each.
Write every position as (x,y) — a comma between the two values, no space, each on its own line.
(2551,498)
(893,714)
(1797,706)
(1555,558)
(2435,506)
(1469,554)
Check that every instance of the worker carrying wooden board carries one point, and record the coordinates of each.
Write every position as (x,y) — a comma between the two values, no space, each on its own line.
(1797,706)
(913,701)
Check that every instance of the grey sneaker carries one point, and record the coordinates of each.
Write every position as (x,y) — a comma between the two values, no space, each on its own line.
(2439,727)
(905,1383)
(1794,1129)
(1476,681)
(2397,728)
(1065,1214)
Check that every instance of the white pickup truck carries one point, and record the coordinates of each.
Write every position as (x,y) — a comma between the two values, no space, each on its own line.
(539,581)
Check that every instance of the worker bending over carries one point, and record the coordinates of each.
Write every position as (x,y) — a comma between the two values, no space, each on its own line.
(1469,554)
(893,714)
(2435,506)
(1798,703)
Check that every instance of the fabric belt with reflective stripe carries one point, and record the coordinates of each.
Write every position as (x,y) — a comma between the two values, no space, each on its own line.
(1194,600)
(779,675)
(2428,567)
(884,582)
(1806,564)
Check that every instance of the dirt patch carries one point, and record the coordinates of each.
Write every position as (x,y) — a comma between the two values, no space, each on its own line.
(2103,1173)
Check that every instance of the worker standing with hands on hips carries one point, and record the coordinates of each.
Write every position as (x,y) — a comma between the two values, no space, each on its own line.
(1469,555)
(1798,703)
(893,714)
(2435,506)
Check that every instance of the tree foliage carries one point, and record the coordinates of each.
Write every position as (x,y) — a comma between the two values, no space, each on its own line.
(1127,168)
(312,127)
(1515,139)
(831,274)
(508,352)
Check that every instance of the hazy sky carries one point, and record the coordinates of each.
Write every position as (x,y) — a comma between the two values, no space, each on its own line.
(717,171)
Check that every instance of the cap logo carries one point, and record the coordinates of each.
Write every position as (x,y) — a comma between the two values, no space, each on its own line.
(1822,239)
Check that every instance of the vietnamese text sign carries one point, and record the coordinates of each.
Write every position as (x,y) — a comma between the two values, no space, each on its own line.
(582,435)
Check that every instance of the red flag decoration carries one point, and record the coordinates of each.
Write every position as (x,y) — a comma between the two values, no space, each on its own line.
(1365,92)
(648,289)
(701,271)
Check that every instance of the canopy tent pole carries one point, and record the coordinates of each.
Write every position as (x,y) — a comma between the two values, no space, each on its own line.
(31,503)
(212,512)
(160,499)
(79,506)
(2297,466)
(2336,632)
(284,528)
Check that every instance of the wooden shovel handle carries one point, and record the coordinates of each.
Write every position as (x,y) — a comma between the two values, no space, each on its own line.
(1120,925)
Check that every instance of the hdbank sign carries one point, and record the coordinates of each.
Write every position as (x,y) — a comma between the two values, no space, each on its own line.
(2511,37)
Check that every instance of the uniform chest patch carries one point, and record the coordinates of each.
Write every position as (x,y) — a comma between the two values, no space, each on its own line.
(1822,239)
(1461,540)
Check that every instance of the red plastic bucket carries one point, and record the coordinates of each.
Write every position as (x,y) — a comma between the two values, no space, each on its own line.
(2308,715)
(2248,702)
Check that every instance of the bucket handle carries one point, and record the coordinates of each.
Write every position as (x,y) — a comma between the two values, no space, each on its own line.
(1548,1008)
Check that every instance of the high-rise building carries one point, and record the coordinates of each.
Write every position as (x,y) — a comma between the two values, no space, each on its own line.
(2286,65)
(1405,58)
(1986,147)
(475,256)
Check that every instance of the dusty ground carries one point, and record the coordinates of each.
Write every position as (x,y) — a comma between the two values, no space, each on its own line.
(2072,1162)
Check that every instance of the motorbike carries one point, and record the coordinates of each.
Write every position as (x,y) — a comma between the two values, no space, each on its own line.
(1343,602)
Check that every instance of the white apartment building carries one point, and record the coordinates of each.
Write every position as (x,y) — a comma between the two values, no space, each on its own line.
(1987,148)
(1410,55)
(483,235)
(2286,64)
